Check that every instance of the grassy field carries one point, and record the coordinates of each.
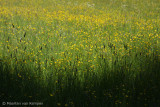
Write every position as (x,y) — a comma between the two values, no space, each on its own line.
(80,53)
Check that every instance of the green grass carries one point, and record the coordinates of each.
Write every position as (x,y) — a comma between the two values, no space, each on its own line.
(80,53)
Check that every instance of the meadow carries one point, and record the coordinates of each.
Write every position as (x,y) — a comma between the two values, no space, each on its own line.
(80,53)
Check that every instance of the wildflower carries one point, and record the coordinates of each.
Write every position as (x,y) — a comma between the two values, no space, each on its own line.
(66,105)
(126,96)
(19,75)
(51,95)
(58,104)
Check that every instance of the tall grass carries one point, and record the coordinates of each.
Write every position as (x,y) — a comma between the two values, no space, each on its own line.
(80,53)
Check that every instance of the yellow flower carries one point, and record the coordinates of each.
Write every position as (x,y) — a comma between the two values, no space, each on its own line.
(51,95)
(126,96)
(59,104)
(66,105)
(19,75)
